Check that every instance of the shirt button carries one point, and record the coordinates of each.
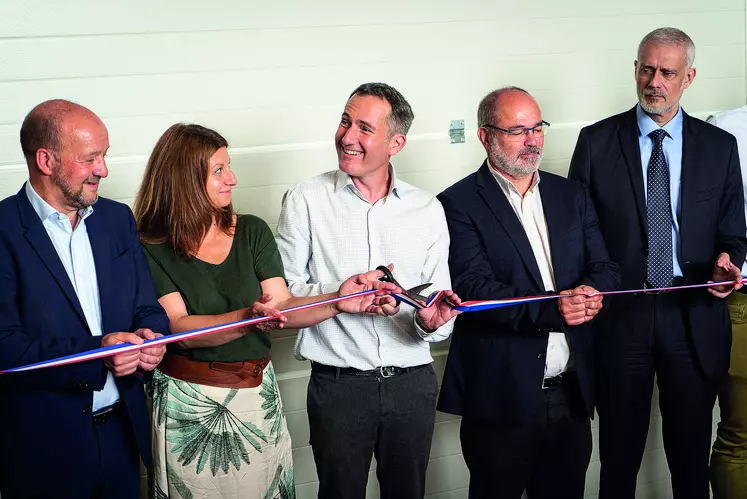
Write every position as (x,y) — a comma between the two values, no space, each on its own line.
(541,355)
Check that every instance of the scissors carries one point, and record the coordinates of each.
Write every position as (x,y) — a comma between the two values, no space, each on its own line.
(413,294)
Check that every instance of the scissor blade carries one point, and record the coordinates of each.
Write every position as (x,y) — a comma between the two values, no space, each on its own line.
(415,292)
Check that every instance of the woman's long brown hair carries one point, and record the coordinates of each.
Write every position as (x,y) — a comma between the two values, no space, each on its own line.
(172,204)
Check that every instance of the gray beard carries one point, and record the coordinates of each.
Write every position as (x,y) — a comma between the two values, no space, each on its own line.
(512,168)
(649,109)
(74,198)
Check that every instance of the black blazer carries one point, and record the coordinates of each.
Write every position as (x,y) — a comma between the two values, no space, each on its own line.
(607,160)
(497,357)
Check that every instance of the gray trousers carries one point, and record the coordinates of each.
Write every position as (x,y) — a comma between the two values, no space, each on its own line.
(354,417)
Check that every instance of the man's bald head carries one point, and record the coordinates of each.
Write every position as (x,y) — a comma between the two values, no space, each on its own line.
(44,127)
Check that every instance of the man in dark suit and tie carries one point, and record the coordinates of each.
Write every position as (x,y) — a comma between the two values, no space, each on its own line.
(72,278)
(668,191)
(522,376)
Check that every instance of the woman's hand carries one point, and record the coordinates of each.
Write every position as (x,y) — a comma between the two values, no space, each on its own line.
(260,309)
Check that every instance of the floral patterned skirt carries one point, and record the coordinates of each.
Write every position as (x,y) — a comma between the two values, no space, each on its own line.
(226,443)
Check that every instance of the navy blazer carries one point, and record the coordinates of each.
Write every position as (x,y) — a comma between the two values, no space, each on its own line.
(607,160)
(496,360)
(45,415)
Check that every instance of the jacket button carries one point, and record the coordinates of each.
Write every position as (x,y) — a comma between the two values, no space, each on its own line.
(541,355)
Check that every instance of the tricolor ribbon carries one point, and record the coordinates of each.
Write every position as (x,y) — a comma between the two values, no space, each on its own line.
(468,306)
(477,305)
(102,352)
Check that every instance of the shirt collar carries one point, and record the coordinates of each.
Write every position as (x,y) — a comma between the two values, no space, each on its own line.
(506,185)
(398,188)
(45,211)
(646,125)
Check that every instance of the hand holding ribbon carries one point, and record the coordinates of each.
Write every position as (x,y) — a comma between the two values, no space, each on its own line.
(725,270)
(386,304)
(151,356)
(377,303)
(440,311)
(582,305)
(260,309)
(124,363)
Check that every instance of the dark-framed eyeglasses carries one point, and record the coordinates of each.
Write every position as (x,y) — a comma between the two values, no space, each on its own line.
(538,130)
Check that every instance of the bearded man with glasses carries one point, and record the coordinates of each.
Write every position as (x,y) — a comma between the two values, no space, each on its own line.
(521,377)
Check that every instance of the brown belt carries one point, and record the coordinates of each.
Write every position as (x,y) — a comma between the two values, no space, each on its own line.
(246,374)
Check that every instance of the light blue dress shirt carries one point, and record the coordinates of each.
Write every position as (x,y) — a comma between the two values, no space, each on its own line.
(74,249)
(672,146)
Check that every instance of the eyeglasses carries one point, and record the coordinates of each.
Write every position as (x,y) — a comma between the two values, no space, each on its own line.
(517,132)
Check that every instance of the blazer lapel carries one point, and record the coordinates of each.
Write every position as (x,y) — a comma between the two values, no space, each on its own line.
(690,179)
(38,238)
(496,200)
(628,137)
(98,235)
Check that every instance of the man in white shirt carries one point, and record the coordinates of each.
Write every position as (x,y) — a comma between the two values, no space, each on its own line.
(729,457)
(372,390)
(521,377)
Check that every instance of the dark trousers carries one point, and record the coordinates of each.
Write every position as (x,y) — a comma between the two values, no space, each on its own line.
(658,342)
(119,473)
(353,418)
(547,458)
(109,467)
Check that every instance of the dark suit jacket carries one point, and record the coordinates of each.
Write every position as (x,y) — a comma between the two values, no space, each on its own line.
(46,430)
(607,160)
(496,360)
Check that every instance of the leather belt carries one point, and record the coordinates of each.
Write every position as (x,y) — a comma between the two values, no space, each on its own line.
(103,415)
(558,380)
(245,374)
(379,372)
(676,281)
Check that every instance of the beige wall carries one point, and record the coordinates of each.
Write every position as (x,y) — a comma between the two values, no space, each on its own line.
(274,76)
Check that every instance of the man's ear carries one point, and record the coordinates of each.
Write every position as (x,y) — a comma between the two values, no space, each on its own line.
(482,134)
(689,76)
(45,161)
(397,143)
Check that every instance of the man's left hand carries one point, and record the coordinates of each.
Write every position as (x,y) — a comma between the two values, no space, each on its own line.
(378,303)
(440,312)
(724,270)
(150,357)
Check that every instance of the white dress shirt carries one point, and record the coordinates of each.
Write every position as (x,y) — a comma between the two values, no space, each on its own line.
(74,249)
(735,122)
(528,209)
(328,231)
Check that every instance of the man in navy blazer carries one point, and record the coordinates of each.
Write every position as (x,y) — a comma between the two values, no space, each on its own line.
(683,337)
(72,278)
(522,376)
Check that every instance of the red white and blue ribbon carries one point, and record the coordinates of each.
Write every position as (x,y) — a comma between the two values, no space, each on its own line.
(468,306)
(102,352)
(477,305)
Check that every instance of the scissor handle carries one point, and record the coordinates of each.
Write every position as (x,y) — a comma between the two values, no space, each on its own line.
(388,277)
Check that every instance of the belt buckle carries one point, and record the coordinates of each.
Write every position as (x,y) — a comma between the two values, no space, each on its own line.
(646,286)
(557,381)
(104,414)
(387,371)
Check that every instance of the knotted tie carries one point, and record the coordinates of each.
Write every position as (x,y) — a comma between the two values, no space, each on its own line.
(658,215)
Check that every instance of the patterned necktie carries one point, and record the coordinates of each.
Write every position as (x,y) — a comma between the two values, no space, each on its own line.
(658,215)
